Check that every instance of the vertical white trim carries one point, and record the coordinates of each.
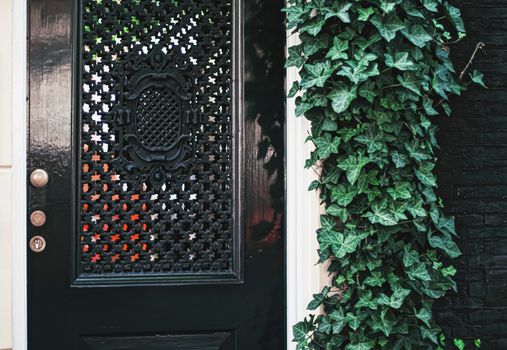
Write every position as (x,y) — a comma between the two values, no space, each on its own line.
(303,209)
(18,200)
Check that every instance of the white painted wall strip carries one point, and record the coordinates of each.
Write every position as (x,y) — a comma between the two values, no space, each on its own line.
(5,174)
(303,275)
(19,133)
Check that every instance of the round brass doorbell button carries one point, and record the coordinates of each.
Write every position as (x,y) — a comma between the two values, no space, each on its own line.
(39,178)
(38,218)
(37,244)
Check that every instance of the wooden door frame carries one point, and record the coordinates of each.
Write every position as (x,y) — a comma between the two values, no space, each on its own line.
(302,207)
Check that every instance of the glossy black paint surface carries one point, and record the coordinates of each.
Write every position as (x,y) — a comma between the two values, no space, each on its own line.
(212,341)
(60,316)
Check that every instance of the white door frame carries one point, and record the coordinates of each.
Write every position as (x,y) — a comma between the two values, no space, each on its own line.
(18,199)
(303,277)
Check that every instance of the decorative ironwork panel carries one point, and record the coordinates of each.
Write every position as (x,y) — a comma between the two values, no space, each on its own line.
(156,180)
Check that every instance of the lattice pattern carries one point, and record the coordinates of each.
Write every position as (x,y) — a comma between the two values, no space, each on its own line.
(128,225)
(158,118)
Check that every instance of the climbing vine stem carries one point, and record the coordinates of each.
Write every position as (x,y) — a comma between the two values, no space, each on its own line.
(374,76)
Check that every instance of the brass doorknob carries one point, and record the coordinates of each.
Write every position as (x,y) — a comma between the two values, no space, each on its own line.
(38,218)
(39,178)
(37,244)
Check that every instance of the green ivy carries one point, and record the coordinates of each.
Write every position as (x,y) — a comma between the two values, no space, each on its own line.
(374,75)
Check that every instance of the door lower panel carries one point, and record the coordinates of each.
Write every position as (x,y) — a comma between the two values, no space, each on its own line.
(211,341)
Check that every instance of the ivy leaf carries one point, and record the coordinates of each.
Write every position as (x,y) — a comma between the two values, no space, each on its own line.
(342,195)
(365,300)
(429,333)
(398,210)
(338,211)
(416,209)
(327,223)
(329,237)
(314,27)
(318,299)
(434,293)
(348,245)
(449,271)
(302,107)
(352,320)
(325,327)
(401,190)
(388,26)
(339,243)
(411,10)
(403,343)
(294,89)
(367,90)
(364,43)
(295,58)
(410,257)
(431,5)
(400,61)
(446,244)
(477,77)
(359,73)
(371,139)
(454,16)
(417,35)
(384,323)
(419,271)
(338,50)
(365,13)
(314,185)
(388,7)
(380,216)
(399,159)
(300,330)
(326,145)
(341,97)
(338,318)
(428,106)
(353,166)
(360,346)
(294,14)
(410,82)
(339,10)
(329,124)
(375,280)
(312,45)
(459,343)
(316,74)
(416,152)
(425,315)
(396,299)
(446,225)
(425,175)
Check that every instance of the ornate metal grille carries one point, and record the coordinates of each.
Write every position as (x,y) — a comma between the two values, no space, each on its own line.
(156,160)
(158,121)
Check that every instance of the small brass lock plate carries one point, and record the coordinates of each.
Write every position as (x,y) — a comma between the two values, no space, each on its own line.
(39,178)
(37,244)
(38,218)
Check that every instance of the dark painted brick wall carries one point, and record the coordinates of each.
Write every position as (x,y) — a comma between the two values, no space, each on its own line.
(473,181)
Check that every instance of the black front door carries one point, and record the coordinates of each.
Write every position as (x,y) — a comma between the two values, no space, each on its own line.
(159,124)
